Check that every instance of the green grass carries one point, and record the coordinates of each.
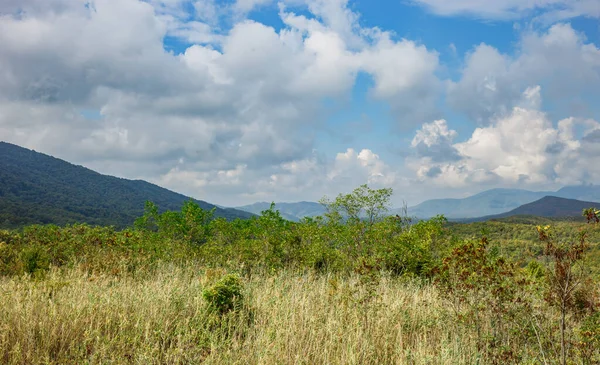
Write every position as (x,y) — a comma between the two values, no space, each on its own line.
(266,291)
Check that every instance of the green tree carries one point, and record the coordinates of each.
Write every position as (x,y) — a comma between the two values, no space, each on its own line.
(192,223)
(372,203)
(566,275)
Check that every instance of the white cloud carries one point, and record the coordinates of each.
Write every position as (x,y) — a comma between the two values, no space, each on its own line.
(434,141)
(308,178)
(433,134)
(234,116)
(362,167)
(514,9)
(249,97)
(559,60)
(522,148)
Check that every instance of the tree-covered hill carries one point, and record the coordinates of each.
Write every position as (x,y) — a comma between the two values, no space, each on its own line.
(499,201)
(37,188)
(548,207)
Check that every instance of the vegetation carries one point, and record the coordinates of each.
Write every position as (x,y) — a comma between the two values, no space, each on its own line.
(354,286)
(39,189)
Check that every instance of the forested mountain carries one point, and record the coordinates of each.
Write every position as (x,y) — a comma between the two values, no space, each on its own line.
(37,188)
(548,207)
(497,201)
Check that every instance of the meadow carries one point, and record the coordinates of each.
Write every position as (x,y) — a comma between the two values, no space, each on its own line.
(184,288)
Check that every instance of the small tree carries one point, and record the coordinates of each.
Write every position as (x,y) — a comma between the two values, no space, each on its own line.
(191,223)
(373,203)
(362,202)
(566,275)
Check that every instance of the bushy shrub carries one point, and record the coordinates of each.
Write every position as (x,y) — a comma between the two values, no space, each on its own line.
(225,295)
(35,260)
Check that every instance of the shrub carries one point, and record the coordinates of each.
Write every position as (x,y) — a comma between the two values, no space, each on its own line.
(225,295)
(35,259)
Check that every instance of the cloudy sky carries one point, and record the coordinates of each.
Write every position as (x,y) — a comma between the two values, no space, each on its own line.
(239,101)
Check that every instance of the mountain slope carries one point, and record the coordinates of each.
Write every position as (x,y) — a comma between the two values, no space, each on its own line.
(489,202)
(289,211)
(497,201)
(37,188)
(580,192)
(548,207)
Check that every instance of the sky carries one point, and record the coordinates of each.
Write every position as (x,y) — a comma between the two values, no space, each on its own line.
(240,101)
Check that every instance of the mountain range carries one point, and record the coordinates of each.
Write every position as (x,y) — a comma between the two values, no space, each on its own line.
(498,201)
(37,188)
(548,207)
(489,203)
(289,211)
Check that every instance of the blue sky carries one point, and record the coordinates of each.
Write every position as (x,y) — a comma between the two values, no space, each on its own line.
(240,101)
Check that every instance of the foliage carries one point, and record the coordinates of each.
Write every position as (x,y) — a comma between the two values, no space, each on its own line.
(482,287)
(190,224)
(501,294)
(225,295)
(566,277)
(363,200)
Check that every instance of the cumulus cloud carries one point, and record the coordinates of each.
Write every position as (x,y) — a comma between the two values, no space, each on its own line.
(521,148)
(434,140)
(235,106)
(559,60)
(308,178)
(232,117)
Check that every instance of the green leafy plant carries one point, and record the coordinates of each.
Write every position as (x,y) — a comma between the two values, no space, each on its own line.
(566,276)
(481,285)
(225,295)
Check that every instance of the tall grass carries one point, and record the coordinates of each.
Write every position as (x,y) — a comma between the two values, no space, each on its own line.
(71,317)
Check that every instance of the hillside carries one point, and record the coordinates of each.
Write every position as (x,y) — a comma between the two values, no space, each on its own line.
(498,201)
(290,211)
(37,188)
(489,202)
(479,206)
(547,207)
(584,192)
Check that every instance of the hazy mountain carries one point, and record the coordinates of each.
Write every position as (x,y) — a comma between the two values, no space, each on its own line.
(37,188)
(486,203)
(549,207)
(489,202)
(582,192)
(497,201)
(289,211)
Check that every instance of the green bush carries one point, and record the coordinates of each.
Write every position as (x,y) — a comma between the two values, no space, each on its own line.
(225,295)
(35,260)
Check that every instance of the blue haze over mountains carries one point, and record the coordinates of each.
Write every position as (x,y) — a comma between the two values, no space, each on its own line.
(487,203)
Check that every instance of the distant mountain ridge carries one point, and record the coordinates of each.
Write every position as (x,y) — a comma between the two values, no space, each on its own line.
(290,211)
(498,201)
(487,203)
(548,207)
(37,188)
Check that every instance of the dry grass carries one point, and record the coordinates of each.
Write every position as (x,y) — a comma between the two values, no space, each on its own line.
(289,318)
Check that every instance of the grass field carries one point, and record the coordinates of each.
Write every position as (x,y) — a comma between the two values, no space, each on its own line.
(70,317)
(267,291)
